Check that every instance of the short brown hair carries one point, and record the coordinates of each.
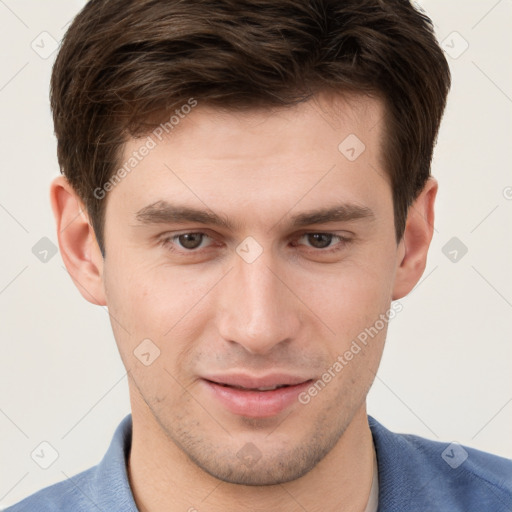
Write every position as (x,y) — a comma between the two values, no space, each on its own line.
(124,65)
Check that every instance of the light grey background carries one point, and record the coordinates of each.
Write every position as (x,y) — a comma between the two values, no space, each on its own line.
(446,369)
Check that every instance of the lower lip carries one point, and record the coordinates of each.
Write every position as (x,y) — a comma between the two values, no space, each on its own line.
(256,404)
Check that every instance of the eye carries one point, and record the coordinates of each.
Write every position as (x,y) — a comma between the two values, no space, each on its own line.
(186,241)
(322,241)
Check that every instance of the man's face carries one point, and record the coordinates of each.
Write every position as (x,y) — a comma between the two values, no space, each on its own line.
(272,295)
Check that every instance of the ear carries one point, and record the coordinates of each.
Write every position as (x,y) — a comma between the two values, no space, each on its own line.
(413,247)
(77,241)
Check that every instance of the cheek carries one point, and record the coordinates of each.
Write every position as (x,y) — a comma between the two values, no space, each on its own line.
(146,297)
(356,305)
(352,297)
(159,304)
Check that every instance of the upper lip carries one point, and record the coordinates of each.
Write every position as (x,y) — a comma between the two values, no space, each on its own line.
(253,382)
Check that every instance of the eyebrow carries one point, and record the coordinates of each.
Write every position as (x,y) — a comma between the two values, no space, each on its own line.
(163,212)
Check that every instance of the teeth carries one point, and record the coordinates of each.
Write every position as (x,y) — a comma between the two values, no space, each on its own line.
(267,388)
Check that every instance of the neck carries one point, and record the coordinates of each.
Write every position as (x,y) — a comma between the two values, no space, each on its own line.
(163,478)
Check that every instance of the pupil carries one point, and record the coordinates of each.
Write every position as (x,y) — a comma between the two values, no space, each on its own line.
(190,240)
(320,240)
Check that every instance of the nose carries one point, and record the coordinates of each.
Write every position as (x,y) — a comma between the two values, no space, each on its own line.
(257,309)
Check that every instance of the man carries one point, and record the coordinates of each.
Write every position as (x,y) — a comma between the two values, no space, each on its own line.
(247,188)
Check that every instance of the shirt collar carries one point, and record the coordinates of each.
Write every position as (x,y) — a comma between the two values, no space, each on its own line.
(110,486)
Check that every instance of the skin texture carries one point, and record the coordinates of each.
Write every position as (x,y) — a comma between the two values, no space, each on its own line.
(293,310)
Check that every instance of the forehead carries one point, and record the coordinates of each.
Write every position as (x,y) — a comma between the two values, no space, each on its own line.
(325,149)
(317,125)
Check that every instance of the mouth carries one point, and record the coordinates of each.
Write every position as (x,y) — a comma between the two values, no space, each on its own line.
(256,397)
(263,388)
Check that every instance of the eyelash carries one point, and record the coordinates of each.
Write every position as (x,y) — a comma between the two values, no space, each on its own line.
(168,242)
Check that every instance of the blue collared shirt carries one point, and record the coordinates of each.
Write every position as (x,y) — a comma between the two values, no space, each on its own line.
(415,475)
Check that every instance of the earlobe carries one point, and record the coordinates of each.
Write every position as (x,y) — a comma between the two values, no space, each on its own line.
(413,250)
(77,242)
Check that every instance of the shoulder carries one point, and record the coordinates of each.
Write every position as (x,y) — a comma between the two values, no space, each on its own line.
(70,494)
(443,476)
(102,487)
